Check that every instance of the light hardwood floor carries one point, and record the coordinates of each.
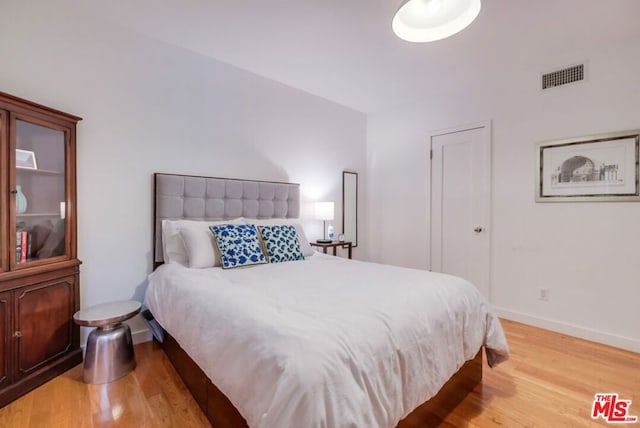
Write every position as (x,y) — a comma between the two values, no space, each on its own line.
(549,381)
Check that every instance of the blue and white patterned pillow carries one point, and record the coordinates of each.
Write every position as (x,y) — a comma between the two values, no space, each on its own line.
(282,243)
(238,244)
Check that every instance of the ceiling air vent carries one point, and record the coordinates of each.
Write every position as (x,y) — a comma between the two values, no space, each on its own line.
(563,77)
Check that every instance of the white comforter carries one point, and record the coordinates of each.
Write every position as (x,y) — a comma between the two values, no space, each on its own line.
(325,342)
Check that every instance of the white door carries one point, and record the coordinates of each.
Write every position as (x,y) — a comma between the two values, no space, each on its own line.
(460,204)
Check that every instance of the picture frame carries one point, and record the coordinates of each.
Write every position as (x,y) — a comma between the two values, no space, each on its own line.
(26,159)
(596,168)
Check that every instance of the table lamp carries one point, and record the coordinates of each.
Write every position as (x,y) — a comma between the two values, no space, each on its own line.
(324,212)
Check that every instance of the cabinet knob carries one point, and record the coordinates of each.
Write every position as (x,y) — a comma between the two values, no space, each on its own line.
(478,229)
(17,334)
(14,191)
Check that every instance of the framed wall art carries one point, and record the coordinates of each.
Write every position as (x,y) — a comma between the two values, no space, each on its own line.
(589,169)
(26,159)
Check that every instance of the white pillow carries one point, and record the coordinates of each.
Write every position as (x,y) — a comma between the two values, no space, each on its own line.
(306,249)
(173,250)
(190,242)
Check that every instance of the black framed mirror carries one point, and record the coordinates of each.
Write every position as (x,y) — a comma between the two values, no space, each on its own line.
(350,207)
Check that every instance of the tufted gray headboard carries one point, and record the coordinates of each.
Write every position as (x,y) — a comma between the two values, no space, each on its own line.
(209,198)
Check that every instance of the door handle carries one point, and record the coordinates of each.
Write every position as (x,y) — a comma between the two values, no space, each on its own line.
(478,229)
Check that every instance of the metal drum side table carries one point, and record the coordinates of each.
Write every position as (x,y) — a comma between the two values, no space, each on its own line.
(109,353)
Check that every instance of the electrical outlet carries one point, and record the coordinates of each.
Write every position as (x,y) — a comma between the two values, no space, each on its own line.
(544,294)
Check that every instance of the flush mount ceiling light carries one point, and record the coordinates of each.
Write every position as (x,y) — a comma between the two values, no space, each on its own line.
(429,20)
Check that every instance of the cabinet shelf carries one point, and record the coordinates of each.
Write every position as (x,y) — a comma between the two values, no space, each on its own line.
(39,171)
(37,215)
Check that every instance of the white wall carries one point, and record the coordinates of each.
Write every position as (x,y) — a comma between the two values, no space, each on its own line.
(150,107)
(585,253)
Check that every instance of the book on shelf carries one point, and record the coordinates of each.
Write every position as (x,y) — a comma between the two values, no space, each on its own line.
(19,246)
(23,246)
(29,236)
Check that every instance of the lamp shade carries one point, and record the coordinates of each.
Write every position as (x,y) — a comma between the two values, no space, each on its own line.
(324,210)
(430,20)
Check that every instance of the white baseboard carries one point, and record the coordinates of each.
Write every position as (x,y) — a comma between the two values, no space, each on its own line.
(572,330)
(141,336)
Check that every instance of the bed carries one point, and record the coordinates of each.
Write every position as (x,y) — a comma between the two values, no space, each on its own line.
(321,342)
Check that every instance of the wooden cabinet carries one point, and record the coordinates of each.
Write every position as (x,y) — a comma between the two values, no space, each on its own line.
(39,268)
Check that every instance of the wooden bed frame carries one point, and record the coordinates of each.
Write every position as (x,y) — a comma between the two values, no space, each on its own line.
(217,407)
(222,414)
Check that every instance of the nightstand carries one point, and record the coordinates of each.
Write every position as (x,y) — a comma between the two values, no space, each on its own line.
(334,245)
(109,353)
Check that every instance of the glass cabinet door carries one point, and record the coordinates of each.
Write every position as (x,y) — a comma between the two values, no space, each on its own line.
(39,190)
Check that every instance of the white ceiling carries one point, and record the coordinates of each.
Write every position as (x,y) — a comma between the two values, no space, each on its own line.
(345,51)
